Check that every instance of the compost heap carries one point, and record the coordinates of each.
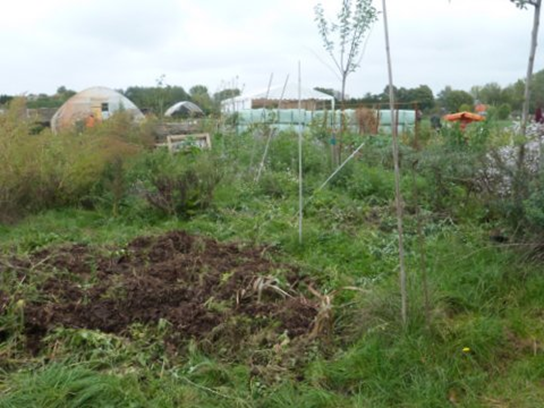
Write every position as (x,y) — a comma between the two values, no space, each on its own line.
(203,288)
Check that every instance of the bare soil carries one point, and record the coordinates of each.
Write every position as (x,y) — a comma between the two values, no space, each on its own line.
(223,292)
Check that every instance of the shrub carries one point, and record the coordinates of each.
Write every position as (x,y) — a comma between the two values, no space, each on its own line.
(278,184)
(534,210)
(371,183)
(465,108)
(283,154)
(44,170)
(178,184)
(504,111)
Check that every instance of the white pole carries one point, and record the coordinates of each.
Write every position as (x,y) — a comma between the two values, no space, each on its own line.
(300,203)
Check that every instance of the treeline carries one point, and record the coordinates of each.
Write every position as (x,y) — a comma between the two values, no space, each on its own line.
(502,101)
(159,98)
(155,99)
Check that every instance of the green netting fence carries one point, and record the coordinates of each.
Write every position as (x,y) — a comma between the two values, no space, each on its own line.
(289,119)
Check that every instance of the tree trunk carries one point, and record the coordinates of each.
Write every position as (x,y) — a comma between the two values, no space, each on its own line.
(398,195)
(520,181)
(342,124)
(343,93)
(530,65)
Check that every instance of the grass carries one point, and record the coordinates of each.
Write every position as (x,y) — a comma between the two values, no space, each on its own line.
(483,346)
(482,298)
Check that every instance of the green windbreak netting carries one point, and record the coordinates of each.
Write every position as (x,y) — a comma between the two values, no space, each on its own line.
(289,119)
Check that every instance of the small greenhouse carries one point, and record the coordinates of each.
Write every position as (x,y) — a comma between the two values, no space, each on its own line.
(184,109)
(97,102)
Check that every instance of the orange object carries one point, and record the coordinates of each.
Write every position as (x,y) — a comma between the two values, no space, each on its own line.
(464,118)
(480,108)
(90,121)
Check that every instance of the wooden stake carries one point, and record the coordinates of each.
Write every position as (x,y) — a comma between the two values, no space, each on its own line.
(398,196)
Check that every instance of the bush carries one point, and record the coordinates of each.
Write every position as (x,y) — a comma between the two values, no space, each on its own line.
(372,183)
(42,171)
(534,210)
(178,184)
(504,111)
(283,154)
(278,184)
(465,108)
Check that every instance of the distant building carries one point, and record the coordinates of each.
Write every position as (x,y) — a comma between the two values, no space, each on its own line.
(100,102)
(279,97)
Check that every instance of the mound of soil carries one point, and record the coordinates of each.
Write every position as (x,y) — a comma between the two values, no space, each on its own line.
(203,288)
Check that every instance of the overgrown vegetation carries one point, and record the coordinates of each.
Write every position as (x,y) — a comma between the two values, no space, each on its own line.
(75,207)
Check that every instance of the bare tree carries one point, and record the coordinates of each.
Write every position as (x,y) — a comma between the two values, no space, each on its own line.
(343,39)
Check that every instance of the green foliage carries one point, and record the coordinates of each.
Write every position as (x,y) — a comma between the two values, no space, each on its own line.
(485,299)
(200,96)
(372,184)
(534,210)
(491,94)
(283,154)
(465,108)
(515,94)
(177,184)
(224,94)
(452,99)
(504,111)
(45,170)
(156,99)
(537,90)
(343,39)
(5,99)
(422,96)
(50,101)
(61,386)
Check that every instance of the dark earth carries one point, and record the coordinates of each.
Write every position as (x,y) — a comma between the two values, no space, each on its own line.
(203,288)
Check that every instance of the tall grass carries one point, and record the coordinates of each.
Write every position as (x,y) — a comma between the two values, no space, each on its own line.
(42,171)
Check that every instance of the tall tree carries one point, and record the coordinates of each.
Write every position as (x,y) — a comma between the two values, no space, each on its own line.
(156,99)
(343,39)
(514,93)
(226,93)
(534,36)
(200,96)
(491,94)
(452,99)
(423,95)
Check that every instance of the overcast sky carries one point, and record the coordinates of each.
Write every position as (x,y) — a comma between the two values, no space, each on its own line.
(217,43)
